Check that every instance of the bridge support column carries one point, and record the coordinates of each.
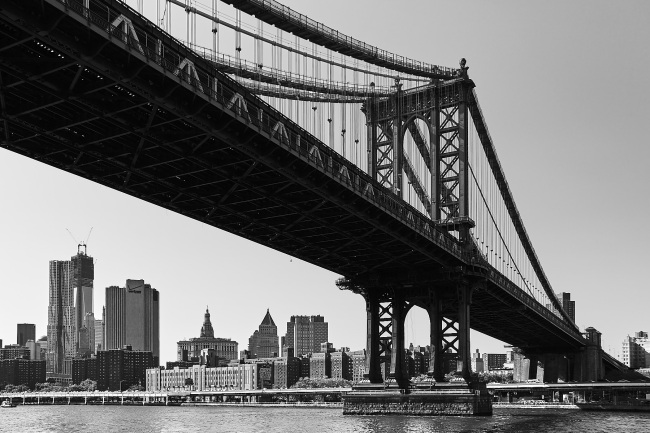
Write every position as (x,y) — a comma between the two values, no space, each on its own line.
(547,367)
(532,367)
(577,366)
(373,361)
(436,341)
(463,363)
(398,374)
(551,363)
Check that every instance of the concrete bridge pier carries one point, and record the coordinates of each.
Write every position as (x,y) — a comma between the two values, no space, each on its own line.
(581,365)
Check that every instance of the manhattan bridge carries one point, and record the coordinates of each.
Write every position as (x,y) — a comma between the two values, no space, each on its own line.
(284,131)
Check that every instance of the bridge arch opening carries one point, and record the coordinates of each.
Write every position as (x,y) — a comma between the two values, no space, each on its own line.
(417,338)
(416,180)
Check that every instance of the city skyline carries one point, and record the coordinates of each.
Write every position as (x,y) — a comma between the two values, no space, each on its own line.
(562,98)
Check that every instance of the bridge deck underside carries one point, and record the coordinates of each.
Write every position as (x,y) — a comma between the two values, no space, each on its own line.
(85,114)
(501,316)
(75,100)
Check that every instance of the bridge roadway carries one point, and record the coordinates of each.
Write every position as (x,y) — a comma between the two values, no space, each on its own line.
(124,104)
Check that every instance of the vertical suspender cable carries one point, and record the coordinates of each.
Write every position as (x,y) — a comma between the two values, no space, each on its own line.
(187,21)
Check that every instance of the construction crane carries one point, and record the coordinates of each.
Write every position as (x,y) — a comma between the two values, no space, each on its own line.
(80,244)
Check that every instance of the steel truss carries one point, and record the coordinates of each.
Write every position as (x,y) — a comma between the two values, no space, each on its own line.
(448,308)
(443,108)
(77,93)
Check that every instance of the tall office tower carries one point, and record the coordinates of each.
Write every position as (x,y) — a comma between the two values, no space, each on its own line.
(61,330)
(568,305)
(264,342)
(71,298)
(83,274)
(132,317)
(25,332)
(305,334)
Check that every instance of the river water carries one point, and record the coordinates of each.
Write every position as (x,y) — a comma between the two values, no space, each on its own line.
(273,419)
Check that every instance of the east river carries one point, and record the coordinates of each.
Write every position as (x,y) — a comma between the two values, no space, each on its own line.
(273,419)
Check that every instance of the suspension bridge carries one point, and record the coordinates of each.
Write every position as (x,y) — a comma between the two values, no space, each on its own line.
(253,118)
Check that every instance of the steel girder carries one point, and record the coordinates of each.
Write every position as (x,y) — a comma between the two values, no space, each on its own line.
(80,98)
(442,108)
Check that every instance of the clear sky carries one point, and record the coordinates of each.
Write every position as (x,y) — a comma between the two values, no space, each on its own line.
(564,89)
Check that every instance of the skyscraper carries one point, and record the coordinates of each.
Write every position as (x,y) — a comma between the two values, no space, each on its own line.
(70,299)
(132,317)
(568,305)
(305,335)
(24,333)
(264,342)
(61,335)
(83,274)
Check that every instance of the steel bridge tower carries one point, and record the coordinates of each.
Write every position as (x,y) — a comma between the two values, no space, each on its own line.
(437,116)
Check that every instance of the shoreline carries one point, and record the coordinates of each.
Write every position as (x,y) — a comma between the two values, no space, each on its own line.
(561,406)
(338,405)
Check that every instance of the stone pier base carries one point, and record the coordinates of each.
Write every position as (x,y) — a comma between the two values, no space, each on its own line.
(443,399)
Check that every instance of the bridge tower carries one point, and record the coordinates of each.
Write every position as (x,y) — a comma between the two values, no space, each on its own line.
(436,117)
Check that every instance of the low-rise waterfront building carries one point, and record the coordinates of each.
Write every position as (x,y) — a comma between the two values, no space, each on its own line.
(21,371)
(13,351)
(494,361)
(114,370)
(340,365)
(358,361)
(84,368)
(241,377)
(320,366)
(305,365)
(286,372)
(636,350)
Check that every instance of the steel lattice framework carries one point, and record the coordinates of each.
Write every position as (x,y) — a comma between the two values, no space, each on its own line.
(93,88)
